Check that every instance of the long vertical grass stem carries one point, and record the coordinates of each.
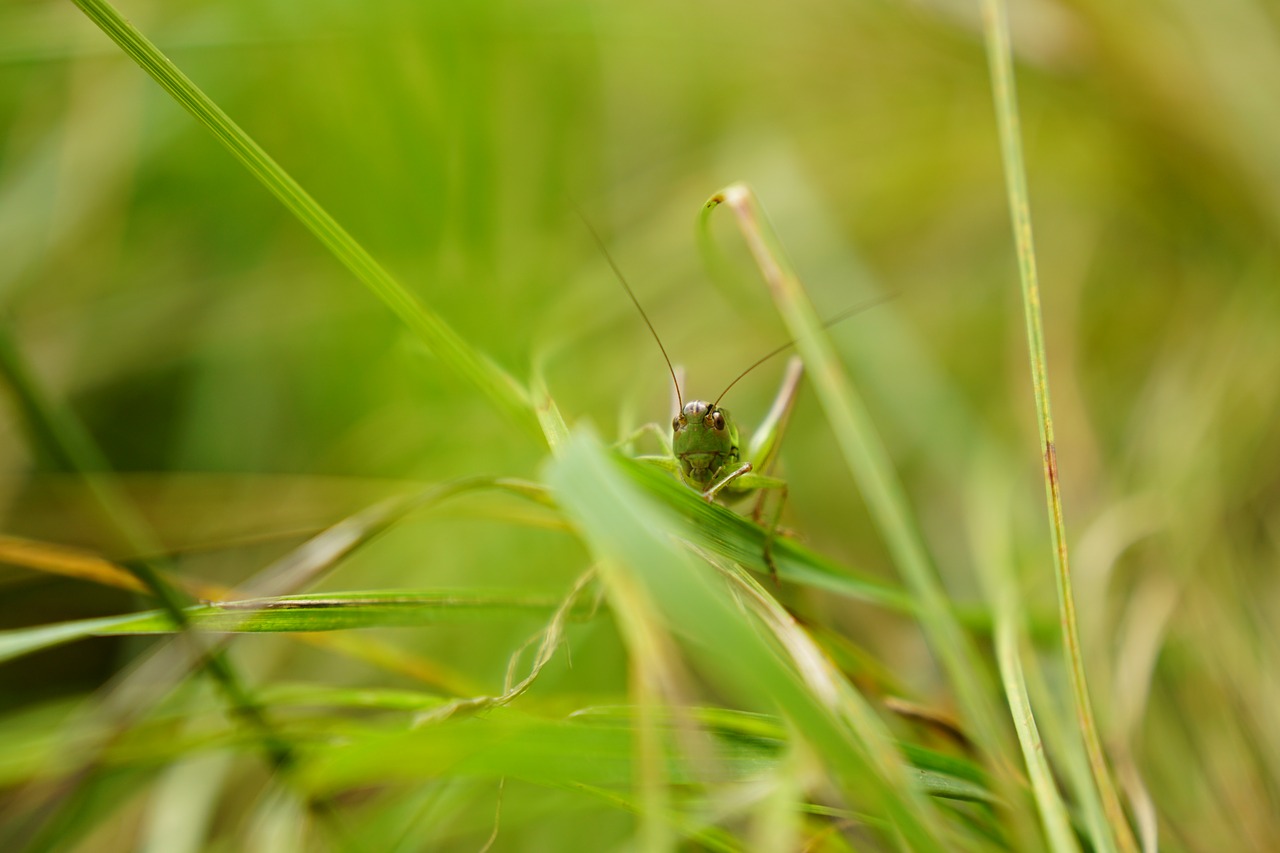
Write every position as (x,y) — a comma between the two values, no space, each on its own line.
(999,55)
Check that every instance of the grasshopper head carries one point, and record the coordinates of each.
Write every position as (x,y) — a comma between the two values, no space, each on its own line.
(705,441)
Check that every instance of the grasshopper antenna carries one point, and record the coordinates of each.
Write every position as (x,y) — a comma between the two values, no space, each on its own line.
(604,250)
(842,316)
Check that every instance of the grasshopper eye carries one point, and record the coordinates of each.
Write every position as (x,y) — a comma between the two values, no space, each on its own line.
(717,420)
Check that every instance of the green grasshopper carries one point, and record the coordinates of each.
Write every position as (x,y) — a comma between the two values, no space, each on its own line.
(704,446)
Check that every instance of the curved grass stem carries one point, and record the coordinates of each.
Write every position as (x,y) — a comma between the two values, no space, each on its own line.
(868,459)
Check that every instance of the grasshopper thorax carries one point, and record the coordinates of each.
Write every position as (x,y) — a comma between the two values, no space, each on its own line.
(705,442)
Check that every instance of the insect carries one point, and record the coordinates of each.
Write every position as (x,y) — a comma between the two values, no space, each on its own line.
(704,446)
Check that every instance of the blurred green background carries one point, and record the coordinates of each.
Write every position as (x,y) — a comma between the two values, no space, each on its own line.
(249,391)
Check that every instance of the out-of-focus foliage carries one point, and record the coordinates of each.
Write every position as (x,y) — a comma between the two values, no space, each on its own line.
(245,393)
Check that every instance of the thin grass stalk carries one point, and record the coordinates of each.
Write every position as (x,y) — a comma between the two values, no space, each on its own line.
(503,390)
(991,496)
(1000,59)
(1053,813)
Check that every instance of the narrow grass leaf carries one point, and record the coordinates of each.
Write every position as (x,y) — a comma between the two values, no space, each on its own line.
(737,538)
(991,496)
(292,613)
(68,562)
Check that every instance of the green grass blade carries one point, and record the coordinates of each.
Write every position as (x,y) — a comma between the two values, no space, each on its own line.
(999,54)
(730,534)
(292,613)
(1053,812)
(869,462)
(495,383)
(18,642)
(991,496)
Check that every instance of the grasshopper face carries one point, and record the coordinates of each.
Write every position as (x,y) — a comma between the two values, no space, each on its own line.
(705,442)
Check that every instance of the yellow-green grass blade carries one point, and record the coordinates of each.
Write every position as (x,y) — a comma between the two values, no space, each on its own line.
(554,429)
(490,379)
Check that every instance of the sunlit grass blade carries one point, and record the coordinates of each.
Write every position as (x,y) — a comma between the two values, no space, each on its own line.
(1053,812)
(999,54)
(303,566)
(68,562)
(869,462)
(631,532)
(296,570)
(495,383)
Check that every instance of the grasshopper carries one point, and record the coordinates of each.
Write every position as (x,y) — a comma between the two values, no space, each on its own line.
(704,446)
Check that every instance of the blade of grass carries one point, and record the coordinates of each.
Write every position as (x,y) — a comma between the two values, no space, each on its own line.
(770,730)
(737,538)
(491,380)
(295,570)
(291,613)
(1000,59)
(869,462)
(740,539)
(552,422)
(68,562)
(991,496)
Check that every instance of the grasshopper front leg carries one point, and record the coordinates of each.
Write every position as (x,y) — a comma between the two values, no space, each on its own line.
(764,447)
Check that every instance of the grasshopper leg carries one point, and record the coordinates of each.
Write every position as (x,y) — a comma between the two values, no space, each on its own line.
(772,532)
(710,494)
